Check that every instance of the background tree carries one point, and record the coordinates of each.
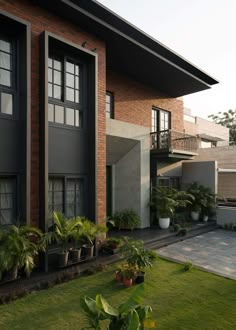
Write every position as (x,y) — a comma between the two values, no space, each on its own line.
(227,119)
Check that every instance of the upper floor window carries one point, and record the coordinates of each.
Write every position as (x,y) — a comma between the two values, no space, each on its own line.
(109,105)
(7,77)
(64,91)
(160,120)
(7,200)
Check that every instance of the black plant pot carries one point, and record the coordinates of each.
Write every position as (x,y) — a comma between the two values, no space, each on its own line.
(88,250)
(140,277)
(75,255)
(11,275)
(63,259)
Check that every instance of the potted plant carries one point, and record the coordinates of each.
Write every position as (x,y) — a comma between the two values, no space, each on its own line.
(112,245)
(138,257)
(65,231)
(204,201)
(19,246)
(165,201)
(126,219)
(128,274)
(88,231)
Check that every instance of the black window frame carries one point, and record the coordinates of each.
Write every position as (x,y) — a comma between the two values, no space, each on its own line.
(65,179)
(13,89)
(110,113)
(58,54)
(157,119)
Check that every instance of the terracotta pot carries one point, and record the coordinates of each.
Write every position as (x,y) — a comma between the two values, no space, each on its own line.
(127,282)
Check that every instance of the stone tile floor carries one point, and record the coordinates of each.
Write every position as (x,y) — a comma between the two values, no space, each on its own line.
(214,251)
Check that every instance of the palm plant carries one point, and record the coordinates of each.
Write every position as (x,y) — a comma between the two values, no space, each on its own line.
(19,246)
(129,315)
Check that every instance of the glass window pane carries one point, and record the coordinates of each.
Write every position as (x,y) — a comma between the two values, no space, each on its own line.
(58,184)
(77,82)
(5,61)
(50,75)
(57,65)
(57,92)
(108,98)
(6,217)
(70,210)
(51,112)
(5,46)
(70,80)
(70,184)
(59,114)
(49,90)
(77,118)
(77,70)
(5,78)
(6,103)
(70,95)
(77,96)
(70,67)
(70,117)
(58,197)
(57,77)
(50,62)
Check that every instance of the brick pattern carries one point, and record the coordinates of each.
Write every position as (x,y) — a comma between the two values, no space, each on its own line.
(134,101)
(42,20)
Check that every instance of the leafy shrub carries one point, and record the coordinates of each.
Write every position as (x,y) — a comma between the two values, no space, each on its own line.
(126,219)
(187,266)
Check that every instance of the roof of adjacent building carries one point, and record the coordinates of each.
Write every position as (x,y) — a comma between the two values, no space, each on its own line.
(131,51)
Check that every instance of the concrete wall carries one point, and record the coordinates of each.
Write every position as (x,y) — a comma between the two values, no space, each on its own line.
(204,173)
(226,215)
(212,129)
(128,150)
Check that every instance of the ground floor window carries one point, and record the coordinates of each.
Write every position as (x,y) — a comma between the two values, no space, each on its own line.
(7,200)
(65,195)
(168,182)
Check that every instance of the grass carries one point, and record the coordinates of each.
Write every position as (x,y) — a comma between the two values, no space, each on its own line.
(180,300)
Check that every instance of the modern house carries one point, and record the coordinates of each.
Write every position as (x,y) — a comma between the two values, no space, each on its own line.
(90,108)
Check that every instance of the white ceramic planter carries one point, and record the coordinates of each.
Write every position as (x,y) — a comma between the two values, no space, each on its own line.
(195,215)
(205,218)
(164,223)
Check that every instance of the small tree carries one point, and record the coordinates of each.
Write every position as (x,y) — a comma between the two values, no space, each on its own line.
(227,119)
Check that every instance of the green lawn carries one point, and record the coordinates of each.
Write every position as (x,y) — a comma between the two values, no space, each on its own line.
(180,300)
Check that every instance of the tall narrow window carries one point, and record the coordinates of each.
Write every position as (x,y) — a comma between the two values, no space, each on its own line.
(7,77)
(74,197)
(160,120)
(109,105)
(7,200)
(55,197)
(64,91)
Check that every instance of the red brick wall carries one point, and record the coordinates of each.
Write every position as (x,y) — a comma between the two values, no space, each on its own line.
(134,101)
(42,20)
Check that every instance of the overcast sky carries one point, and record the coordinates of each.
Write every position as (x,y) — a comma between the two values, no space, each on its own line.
(202,31)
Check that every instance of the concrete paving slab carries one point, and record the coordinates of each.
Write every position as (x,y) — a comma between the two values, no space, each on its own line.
(213,251)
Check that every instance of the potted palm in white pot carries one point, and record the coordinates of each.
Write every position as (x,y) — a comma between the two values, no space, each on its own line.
(165,201)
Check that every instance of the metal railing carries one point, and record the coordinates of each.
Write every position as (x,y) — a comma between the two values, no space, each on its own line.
(172,140)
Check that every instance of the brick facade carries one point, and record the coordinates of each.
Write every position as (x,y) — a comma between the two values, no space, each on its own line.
(134,101)
(42,20)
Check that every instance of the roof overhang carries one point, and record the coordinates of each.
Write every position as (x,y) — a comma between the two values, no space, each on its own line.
(131,51)
(210,137)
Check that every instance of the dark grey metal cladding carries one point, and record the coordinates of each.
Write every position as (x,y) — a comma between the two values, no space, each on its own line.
(15,129)
(67,151)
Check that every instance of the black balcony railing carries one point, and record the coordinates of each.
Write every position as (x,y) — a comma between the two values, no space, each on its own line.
(171,140)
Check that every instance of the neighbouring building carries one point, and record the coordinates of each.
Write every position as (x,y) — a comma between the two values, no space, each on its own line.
(90,109)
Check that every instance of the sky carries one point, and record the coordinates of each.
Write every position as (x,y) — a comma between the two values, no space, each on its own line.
(201,31)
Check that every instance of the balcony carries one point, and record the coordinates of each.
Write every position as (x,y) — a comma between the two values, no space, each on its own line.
(173,144)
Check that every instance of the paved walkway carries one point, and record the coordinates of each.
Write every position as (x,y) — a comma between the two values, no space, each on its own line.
(214,251)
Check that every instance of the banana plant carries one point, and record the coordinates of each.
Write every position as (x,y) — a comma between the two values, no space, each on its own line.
(128,316)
